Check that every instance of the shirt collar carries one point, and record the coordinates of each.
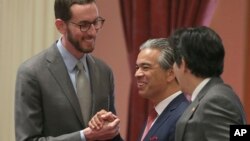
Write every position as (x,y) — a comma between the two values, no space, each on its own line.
(69,60)
(198,88)
(164,103)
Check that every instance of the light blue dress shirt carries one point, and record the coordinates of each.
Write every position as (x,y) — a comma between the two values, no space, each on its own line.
(70,62)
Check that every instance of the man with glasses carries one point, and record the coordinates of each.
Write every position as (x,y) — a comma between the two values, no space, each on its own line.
(50,102)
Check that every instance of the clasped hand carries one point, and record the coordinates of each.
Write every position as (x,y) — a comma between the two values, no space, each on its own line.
(103,126)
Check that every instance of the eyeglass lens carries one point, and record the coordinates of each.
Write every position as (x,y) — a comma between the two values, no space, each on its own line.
(97,24)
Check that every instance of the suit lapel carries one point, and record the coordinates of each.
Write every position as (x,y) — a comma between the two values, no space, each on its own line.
(58,69)
(178,101)
(182,123)
(97,95)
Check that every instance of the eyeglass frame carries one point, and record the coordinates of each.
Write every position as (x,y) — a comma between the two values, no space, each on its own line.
(98,19)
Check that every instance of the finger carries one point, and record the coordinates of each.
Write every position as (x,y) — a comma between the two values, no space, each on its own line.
(109,116)
(96,123)
(99,121)
(113,128)
(92,124)
(112,125)
(115,123)
(102,112)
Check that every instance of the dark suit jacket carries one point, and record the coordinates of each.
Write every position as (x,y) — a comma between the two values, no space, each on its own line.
(209,116)
(164,127)
(46,105)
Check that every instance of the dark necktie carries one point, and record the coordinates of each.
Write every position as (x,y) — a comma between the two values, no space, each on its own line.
(83,92)
(151,117)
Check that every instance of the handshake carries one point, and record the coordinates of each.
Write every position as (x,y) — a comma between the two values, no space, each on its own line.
(103,126)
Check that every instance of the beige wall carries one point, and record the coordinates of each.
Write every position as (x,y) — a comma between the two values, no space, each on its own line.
(230,21)
(27,27)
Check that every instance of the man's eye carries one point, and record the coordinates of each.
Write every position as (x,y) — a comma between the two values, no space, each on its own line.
(84,24)
(145,67)
(136,67)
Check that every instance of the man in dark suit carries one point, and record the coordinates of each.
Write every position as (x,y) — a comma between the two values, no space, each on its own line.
(157,83)
(199,58)
(47,104)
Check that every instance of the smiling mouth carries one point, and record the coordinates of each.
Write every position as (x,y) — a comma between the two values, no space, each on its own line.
(90,40)
(141,84)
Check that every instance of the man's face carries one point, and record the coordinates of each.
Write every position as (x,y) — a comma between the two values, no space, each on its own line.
(82,41)
(151,78)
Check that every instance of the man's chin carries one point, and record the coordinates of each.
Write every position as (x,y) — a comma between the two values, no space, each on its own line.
(88,50)
(142,94)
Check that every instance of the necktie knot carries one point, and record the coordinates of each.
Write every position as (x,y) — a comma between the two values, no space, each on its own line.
(80,66)
(152,115)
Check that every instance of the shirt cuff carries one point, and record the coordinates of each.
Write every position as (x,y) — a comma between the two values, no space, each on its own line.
(82,136)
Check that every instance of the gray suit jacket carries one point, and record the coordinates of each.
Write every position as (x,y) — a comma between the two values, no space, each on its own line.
(209,116)
(46,105)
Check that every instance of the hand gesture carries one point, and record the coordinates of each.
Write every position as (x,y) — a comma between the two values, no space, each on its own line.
(103,126)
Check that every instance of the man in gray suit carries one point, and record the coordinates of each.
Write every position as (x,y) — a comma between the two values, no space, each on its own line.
(47,105)
(199,58)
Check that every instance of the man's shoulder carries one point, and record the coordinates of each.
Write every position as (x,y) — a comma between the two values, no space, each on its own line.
(36,60)
(181,98)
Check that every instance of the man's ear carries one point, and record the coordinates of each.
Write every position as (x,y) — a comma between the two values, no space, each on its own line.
(170,75)
(61,26)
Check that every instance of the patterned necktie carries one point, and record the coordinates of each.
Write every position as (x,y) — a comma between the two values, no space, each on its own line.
(151,117)
(83,92)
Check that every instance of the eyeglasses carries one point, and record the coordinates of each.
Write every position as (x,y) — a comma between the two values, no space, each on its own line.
(85,25)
